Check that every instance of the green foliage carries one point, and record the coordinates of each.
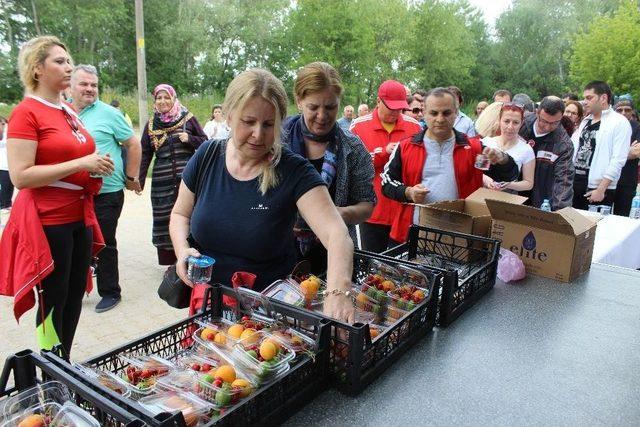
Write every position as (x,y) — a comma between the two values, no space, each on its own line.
(610,50)
(199,46)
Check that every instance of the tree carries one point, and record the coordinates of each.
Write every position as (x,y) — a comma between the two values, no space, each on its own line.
(443,50)
(610,50)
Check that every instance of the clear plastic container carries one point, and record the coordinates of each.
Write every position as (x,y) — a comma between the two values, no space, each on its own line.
(106,379)
(178,380)
(37,415)
(71,415)
(297,341)
(198,359)
(257,305)
(375,304)
(263,356)
(195,410)
(51,391)
(199,269)
(414,277)
(408,297)
(287,291)
(381,276)
(225,385)
(311,287)
(142,372)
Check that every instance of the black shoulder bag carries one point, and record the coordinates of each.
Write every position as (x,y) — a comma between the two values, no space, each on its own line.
(172,289)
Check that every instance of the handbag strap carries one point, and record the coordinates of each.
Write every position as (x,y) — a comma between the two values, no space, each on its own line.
(204,165)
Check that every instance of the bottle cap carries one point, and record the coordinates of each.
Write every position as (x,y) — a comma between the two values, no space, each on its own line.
(202,261)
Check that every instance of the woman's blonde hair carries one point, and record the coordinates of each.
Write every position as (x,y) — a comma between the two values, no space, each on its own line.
(488,123)
(33,53)
(316,77)
(250,84)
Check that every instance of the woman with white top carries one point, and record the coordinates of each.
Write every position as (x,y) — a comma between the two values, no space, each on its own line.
(217,127)
(508,140)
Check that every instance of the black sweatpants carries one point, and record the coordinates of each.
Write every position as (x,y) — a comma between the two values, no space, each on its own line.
(63,289)
(108,208)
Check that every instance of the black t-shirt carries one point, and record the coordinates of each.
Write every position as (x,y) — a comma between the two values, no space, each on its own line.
(629,173)
(239,227)
(586,148)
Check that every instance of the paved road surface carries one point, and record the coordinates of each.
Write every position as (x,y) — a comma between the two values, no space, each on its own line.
(140,311)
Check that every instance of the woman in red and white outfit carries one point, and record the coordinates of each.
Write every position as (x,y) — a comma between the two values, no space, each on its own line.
(52,231)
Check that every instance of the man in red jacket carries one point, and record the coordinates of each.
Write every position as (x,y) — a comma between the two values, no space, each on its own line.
(438,164)
(381,130)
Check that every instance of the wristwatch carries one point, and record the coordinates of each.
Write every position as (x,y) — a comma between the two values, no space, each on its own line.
(131,178)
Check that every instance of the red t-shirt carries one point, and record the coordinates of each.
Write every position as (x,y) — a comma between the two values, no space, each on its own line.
(61,137)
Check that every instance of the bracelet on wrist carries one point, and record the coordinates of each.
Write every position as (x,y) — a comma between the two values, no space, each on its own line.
(349,293)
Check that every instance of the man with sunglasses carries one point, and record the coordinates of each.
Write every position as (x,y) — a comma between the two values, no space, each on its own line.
(112,133)
(626,188)
(381,130)
(601,146)
(553,177)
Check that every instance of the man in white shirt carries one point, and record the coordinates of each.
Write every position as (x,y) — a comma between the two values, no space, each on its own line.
(601,146)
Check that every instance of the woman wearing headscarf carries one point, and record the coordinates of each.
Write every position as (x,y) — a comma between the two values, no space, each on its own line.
(172,135)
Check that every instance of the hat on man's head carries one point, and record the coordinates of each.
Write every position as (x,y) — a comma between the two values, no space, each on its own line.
(393,94)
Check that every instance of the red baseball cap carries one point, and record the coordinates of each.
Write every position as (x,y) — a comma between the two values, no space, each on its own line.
(393,94)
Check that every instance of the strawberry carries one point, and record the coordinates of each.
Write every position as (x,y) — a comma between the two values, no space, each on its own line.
(206,367)
(195,367)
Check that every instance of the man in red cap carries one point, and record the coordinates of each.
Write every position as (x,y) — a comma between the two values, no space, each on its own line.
(381,130)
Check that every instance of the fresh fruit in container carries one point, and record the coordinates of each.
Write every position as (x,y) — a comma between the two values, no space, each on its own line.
(310,287)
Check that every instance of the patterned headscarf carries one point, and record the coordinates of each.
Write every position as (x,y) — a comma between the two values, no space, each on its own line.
(176,111)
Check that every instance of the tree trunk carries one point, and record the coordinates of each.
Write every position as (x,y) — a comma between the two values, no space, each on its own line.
(35,17)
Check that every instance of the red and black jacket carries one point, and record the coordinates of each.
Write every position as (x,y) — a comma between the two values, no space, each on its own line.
(405,166)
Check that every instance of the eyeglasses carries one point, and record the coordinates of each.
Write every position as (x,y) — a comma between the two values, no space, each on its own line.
(548,123)
(416,110)
(624,110)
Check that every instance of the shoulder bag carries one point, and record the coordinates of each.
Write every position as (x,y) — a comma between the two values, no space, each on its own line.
(172,289)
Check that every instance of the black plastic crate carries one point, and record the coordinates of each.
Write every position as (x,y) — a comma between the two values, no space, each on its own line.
(355,360)
(28,369)
(269,405)
(468,263)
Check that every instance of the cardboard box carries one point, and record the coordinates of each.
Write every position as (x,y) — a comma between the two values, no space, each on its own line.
(557,245)
(469,216)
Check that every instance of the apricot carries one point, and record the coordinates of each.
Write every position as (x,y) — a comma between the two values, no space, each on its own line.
(235,331)
(243,385)
(248,333)
(208,334)
(419,295)
(35,420)
(310,288)
(226,372)
(268,350)
(220,339)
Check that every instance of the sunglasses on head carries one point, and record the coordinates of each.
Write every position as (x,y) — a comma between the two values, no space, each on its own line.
(512,106)
(415,110)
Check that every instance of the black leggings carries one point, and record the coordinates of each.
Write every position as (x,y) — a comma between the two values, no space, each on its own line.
(63,289)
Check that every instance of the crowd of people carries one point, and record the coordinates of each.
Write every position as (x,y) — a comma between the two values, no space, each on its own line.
(259,191)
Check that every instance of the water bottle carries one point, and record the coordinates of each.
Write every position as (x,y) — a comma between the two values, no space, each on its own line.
(635,206)
(546,206)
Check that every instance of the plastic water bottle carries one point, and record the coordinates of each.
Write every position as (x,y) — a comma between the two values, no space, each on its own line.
(546,206)
(635,206)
